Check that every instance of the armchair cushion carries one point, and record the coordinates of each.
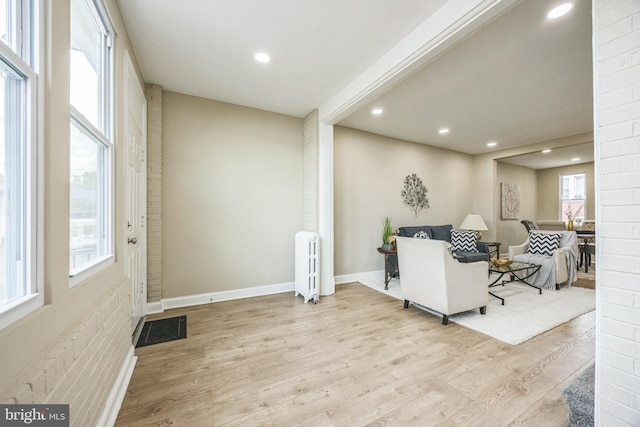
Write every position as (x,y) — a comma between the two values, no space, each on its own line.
(543,243)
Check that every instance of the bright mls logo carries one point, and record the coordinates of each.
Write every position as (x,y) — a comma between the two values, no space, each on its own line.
(34,415)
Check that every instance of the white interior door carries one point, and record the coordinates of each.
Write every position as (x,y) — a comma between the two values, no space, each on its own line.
(135,201)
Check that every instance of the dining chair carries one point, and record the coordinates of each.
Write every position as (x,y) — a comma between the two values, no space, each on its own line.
(529,225)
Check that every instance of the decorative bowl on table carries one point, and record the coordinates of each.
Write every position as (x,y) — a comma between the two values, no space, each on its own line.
(501,262)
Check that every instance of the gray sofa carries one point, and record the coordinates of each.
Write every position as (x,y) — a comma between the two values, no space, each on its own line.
(443,232)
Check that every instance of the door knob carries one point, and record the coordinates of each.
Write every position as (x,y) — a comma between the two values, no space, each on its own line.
(132,241)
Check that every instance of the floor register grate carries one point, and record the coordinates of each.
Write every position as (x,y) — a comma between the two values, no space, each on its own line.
(163,330)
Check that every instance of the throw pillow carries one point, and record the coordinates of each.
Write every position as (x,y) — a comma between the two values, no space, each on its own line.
(543,243)
(464,241)
(421,235)
(441,232)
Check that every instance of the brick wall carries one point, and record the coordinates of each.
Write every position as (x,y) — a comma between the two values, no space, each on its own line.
(81,366)
(310,189)
(617,134)
(154,192)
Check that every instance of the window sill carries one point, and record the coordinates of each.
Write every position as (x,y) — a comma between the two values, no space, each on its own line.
(78,276)
(19,308)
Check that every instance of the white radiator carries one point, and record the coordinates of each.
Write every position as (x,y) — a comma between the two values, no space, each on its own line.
(307,265)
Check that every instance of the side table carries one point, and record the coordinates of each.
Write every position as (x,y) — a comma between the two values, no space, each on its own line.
(390,266)
(494,248)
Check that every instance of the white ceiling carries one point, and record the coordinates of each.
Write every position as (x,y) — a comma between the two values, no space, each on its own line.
(206,47)
(518,80)
(562,156)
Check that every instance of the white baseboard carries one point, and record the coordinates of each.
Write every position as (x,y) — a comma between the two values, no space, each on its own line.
(356,277)
(116,397)
(190,300)
(154,307)
(210,297)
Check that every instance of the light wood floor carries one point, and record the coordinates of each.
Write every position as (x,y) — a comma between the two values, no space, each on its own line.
(355,358)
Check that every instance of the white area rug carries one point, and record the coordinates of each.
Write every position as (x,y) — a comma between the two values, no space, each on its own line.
(524,314)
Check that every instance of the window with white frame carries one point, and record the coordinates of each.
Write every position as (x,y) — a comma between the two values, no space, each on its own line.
(573,197)
(91,147)
(20,283)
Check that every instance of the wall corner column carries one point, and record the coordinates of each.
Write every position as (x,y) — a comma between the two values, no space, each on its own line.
(325,211)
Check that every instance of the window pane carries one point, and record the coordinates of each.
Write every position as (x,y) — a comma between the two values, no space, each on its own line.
(13,244)
(8,20)
(87,40)
(4,22)
(87,206)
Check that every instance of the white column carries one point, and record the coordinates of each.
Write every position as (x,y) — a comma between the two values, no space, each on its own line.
(325,214)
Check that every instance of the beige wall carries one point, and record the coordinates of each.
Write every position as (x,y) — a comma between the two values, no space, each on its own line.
(549,190)
(512,232)
(70,350)
(232,196)
(369,172)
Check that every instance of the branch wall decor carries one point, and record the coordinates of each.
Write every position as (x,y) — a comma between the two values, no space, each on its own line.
(414,194)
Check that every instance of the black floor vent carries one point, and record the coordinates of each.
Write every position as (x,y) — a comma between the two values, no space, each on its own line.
(163,330)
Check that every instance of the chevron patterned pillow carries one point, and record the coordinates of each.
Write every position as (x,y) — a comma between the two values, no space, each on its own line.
(463,241)
(543,243)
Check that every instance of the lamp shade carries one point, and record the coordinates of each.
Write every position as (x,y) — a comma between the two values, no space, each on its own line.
(473,222)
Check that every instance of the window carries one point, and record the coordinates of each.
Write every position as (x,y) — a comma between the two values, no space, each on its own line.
(572,197)
(91,148)
(20,290)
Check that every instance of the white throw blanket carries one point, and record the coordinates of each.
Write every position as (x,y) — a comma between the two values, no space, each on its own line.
(546,276)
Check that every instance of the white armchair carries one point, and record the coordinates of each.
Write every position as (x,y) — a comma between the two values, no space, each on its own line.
(557,269)
(431,277)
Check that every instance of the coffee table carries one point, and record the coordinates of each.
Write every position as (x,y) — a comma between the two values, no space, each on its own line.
(518,272)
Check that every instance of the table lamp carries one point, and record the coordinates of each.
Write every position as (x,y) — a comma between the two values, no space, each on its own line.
(475,223)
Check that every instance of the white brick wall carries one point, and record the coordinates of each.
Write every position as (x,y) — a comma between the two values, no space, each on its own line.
(310,189)
(81,366)
(617,116)
(154,192)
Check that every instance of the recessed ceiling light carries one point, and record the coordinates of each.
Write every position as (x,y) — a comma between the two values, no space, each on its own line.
(492,144)
(575,159)
(545,151)
(262,57)
(560,10)
(443,131)
(376,111)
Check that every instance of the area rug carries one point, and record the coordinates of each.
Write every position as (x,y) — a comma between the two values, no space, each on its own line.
(524,315)
(586,280)
(162,330)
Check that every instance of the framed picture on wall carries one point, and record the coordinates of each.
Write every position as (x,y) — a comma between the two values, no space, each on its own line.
(510,196)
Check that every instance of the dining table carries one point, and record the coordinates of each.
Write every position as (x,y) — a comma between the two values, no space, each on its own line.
(586,246)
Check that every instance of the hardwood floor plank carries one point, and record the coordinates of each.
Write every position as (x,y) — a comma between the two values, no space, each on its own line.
(356,358)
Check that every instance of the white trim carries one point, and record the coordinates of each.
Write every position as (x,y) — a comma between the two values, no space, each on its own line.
(154,307)
(20,307)
(118,391)
(209,297)
(27,64)
(358,277)
(81,275)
